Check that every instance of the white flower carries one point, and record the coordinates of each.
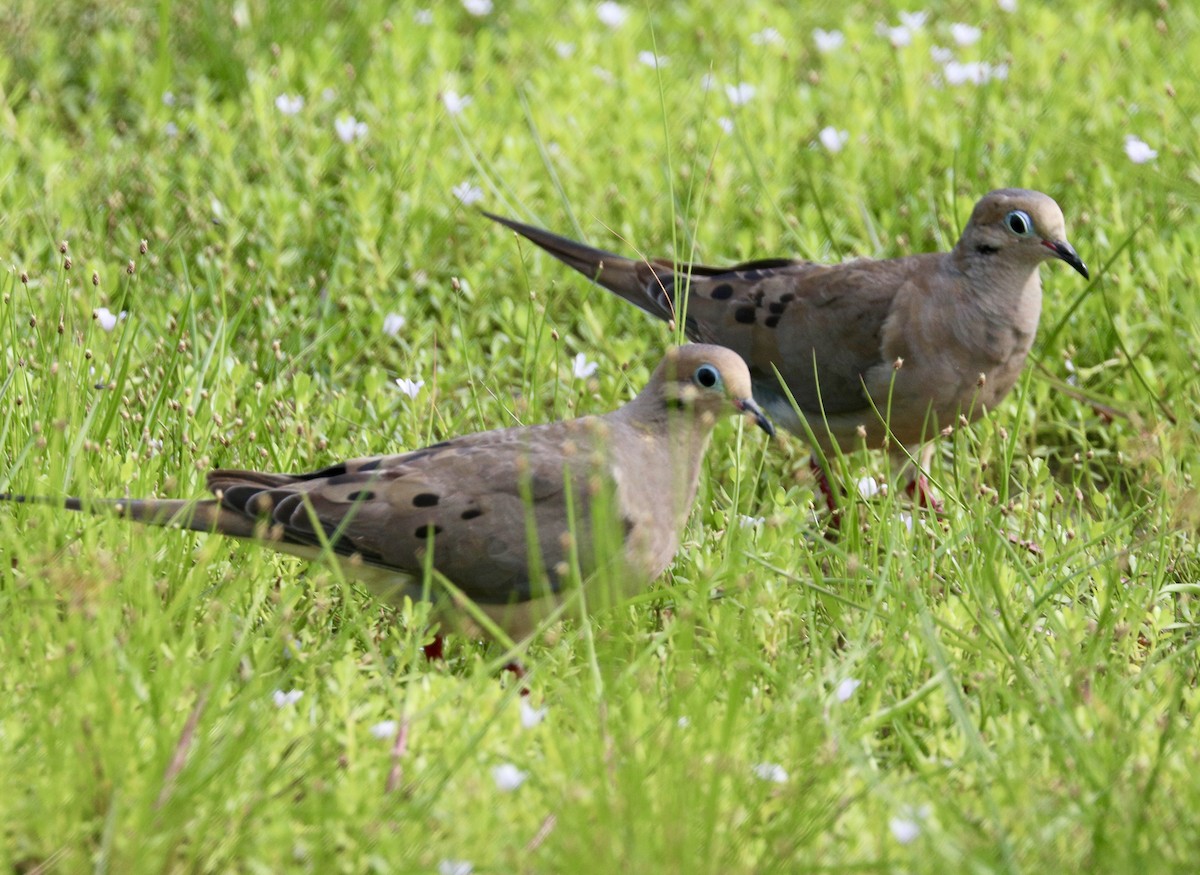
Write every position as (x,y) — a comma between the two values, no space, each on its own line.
(683,722)
(773,772)
(612,14)
(454,102)
(467,193)
(708,82)
(913,20)
(652,60)
(349,128)
(564,50)
(508,777)
(904,829)
(477,7)
(973,72)
(531,716)
(289,104)
(845,688)
(1138,150)
(725,123)
(171,129)
(898,36)
(582,368)
(867,486)
(409,387)
(282,699)
(768,36)
(740,94)
(423,16)
(107,319)
(393,323)
(750,522)
(828,40)
(941,55)
(603,75)
(328,95)
(168,98)
(833,139)
(1007,5)
(455,867)
(965,34)
(386,729)
(906,518)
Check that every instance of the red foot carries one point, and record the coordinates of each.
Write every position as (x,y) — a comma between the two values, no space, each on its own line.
(435,649)
(826,489)
(919,491)
(518,672)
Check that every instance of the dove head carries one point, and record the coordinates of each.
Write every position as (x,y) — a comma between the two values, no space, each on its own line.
(1020,227)
(707,380)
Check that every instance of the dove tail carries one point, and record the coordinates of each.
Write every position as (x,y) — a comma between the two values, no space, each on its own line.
(202,516)
(614,272)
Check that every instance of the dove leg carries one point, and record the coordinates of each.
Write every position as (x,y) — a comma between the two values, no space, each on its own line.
(918,488)
(435,649)
(826,489)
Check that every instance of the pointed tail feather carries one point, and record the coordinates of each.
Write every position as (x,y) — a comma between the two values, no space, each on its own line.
(631,280)
(205,515)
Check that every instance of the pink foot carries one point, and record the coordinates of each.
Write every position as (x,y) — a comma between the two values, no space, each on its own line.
(826,489)
(518,672)
(922,495)
(436,649)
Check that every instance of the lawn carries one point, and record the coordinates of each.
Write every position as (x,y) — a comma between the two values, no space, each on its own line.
(228,230)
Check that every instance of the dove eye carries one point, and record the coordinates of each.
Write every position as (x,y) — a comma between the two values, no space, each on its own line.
(1019,223)
(707,376)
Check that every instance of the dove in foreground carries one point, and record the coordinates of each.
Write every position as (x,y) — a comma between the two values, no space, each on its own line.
(504,512)
(877,353)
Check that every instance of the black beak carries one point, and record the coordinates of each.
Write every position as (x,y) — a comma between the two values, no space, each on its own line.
(749,405)
(1067,253)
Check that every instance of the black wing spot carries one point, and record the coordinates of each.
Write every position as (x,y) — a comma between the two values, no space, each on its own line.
(422,532)
(771,321)
(370,465)
(777,307)
(745,315)
(471,513)
(722,292)
(425,499)
(361,495)
(787,297)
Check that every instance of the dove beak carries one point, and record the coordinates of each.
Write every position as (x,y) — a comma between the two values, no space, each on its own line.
(1064,250)
(749,405)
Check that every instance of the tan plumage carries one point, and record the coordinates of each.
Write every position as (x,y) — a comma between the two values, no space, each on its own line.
(920,339)
(469,498)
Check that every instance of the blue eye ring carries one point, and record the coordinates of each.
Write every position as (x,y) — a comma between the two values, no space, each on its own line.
(1019,223)
(707,377)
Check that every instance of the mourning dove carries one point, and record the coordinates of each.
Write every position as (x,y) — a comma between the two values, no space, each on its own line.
(481,502)
(907,344)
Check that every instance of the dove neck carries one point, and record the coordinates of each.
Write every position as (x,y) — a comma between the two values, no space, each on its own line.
(1003,282)
(673,440)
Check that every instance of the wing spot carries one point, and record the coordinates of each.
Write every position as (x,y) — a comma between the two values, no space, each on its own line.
(777,307)
(787,297)
(425,499)
(722,292)
(361,495)
(471,513)
(423,532)
(745,315)
(771,321)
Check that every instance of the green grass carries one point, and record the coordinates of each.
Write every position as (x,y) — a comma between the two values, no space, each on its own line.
(1028,711)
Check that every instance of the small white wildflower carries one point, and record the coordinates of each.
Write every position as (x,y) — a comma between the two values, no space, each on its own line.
(531,716)
(973,72)
(867,486)
(683,722)
(612,14)
(409,387)
(828,40)
(393,324)
(913,20)
(708,82)
(582,368)
(478,7)
(1007,5)
(454,102)
(904,829)
(604,75)
(168,98)
(1139,150)
(385,729)
(965,34)
(899,36)
(941,55)
(423,17)
(768,36)
(740,94)
(564,50)
(652,60)
(282,699)
(289,104)
(241,16)
(349,128)
(906,518)
(845,688)
(455,867)
(171,130)
(328,94)
(725,123)
(750,522)
(107,319)
(772,772)
(833,139)
(468,194)
(508,777)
